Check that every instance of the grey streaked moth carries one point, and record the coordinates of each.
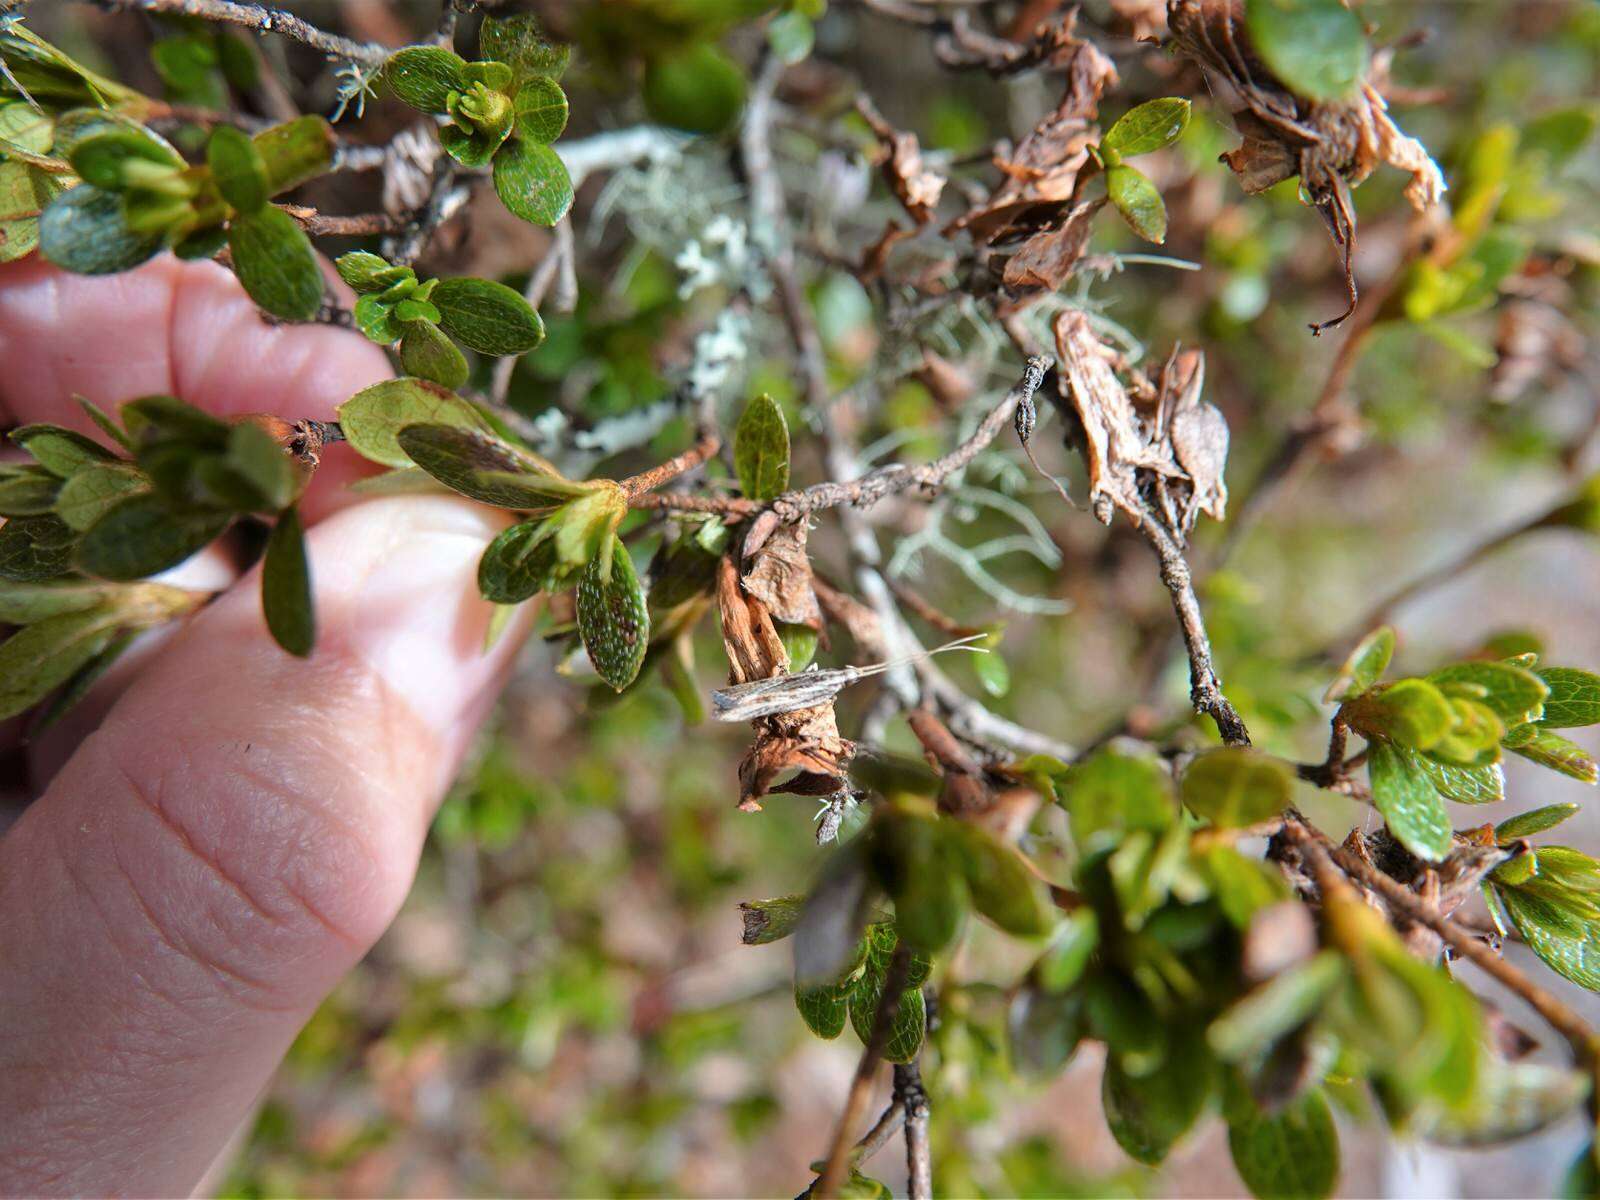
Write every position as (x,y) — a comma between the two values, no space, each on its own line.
(806,689)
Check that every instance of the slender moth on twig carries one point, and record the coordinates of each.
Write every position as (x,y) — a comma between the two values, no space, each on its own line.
(806,689)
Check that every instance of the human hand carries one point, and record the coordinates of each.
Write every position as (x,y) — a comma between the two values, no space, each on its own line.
(225,830)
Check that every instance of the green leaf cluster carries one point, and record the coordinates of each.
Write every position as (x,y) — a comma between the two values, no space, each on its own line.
(1149,126)
(424,317)
(506,109)
(568,540)
(854,996)
(1442,736)
(70,630)
(187,477)
(139,196)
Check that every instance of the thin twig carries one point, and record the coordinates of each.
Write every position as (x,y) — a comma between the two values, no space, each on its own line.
(1205,688)
(871,1142)
(647,481)
(898,477)
(265,20)
(331,225)
(908,1090)
(539,283)
(838,1161)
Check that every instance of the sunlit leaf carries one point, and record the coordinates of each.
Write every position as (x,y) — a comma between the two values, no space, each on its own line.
(1147,127)
(613,617)
(1411,807)
(373,418)
(761,449)
(1138,201)
(1365,666)
(532,181)
(486,316)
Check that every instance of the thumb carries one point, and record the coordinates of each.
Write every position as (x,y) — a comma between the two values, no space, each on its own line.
(238,832)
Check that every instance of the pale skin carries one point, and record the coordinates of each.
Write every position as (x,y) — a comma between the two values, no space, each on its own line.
(223,831)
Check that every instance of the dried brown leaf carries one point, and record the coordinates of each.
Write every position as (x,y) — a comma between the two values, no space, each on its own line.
(779,576)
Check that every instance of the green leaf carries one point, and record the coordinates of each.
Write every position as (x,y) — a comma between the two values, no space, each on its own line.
(1413,712)
(920,867)
(261,466)
(1574,697)
(1474,739)
(100,144)
(1541,923)
(1276,1008)
(1556,752)
(992,672)
(373,418)
(34,548)
(473,147)
(424,76)
(1512,1100)
(799,642)
(910,1017)
(699,89)
(295,152)
(520,563)
(1233,788)
(518,41)
(426,353)
(36,660)
(1467,785)
(1513,694)
(483,468)
(1110,793)
(25,603)
(286,586)
(1315,47)
(1147,127)
(363,270)
(1242,886)
(1289,1155)
(613,617)
(487,317)
(84,231)
(532,181)
(1001,885)
(761,449)
(1365,666)
(1138,201)
(1147,1115)
(1405,796)
(238,168)
(824,1009)
(60,451)
(89,494)
(275,263)
(1044,1029)
(772,920)
(27,491)
(1066,959)
(144,536)
(791,36)
(1582,1180)
(1534,821)
(541,110)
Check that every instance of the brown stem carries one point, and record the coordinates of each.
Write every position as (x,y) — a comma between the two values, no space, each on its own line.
(648,481)
(331,225)
(1580,1037)
(265,20)
(838,1161)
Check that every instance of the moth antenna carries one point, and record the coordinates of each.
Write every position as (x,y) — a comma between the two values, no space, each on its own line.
(965,643)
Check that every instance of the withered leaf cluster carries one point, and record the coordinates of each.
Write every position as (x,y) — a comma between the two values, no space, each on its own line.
(1036,213)
(1154,449)
(1331,145)
(806,741)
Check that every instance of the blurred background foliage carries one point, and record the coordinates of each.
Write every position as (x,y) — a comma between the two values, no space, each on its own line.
(564,1007)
